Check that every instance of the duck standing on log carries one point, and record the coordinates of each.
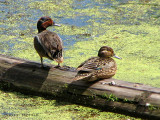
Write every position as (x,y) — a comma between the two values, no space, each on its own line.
(48,44)
(101,67)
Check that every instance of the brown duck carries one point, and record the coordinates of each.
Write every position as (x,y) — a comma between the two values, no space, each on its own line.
(48,44)
(101,67)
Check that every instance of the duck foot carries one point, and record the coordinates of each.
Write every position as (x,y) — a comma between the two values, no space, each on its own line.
(57,66)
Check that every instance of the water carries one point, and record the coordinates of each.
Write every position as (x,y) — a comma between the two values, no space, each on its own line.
(116,23)
(130,27)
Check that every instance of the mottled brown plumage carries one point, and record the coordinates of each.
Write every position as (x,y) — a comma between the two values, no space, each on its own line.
(48,44)
(100,67)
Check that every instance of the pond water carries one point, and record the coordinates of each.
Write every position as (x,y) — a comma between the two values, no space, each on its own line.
(130,27)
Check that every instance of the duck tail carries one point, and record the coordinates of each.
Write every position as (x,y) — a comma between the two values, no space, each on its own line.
(59,57)
(59,60)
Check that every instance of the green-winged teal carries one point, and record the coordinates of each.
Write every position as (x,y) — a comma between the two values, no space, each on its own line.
(100,67)
(48,44)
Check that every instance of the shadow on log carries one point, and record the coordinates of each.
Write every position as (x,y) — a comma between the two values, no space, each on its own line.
(26,77)
(134,98)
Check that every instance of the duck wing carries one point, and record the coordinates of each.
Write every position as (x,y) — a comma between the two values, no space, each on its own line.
(89,65)
(51,43)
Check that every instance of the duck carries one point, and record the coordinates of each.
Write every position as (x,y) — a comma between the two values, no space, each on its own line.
(96,68)
(47,43)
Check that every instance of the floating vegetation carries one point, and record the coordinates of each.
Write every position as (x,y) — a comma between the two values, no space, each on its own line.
(130,27)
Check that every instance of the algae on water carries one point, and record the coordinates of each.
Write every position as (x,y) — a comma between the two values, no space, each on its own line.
(130,27)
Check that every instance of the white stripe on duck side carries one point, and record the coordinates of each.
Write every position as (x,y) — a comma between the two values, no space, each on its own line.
(47,52)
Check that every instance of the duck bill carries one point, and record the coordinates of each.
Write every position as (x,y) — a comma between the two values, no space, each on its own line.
(59,60)
(117,57)
(56,25)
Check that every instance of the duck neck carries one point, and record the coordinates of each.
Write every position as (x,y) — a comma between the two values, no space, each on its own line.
(104,57)
(40,27)
(41,30)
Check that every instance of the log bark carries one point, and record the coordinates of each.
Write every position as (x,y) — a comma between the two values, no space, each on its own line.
(135,98)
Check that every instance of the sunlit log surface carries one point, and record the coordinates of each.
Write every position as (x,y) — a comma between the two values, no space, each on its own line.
(105,94)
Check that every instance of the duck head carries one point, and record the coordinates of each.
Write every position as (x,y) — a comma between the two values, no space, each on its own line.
(45,22)
(106,52)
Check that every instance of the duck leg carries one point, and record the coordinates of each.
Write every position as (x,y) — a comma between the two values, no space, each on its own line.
(42,62)
(57,66)
(44,66)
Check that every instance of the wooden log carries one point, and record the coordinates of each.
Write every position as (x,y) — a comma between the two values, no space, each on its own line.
(131,97)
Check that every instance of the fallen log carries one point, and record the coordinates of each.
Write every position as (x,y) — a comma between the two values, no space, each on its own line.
(125,96)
